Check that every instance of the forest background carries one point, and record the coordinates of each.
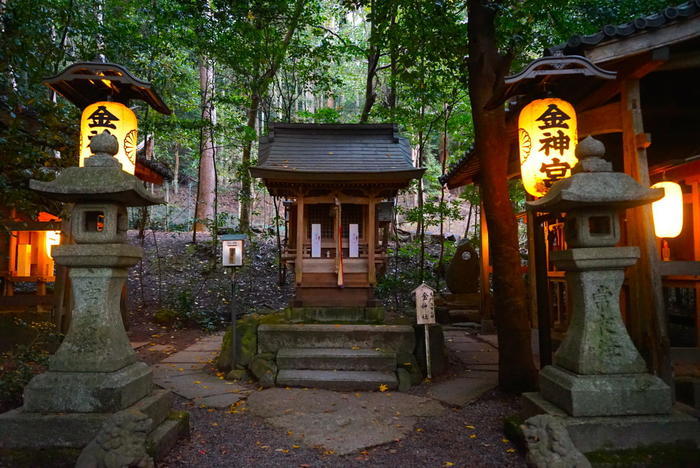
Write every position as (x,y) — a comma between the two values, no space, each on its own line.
(229,68)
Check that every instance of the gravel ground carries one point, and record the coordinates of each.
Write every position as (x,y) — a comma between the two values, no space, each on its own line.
(237,439)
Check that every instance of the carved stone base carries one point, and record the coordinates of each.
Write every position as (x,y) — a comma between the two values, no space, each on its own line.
(88,392)
(38,436)
(590,434)
(605,395)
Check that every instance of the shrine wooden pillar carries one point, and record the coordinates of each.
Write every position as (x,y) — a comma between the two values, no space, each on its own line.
(696,252)
(485,283)
(298,262)
(647,318)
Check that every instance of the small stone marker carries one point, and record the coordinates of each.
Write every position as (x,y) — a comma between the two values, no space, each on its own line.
(425,315)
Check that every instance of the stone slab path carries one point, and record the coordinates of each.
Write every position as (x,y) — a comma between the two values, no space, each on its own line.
(185,373)
(480,356)
(341,422)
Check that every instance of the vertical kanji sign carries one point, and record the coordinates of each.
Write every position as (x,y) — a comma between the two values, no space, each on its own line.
(425,315)
(425,305)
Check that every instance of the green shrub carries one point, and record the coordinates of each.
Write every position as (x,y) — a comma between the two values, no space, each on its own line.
(21,363)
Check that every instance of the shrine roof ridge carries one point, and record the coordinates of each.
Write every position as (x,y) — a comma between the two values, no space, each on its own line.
(334,148)
(580,42)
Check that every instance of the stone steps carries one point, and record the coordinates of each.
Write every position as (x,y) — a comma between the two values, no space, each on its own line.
(165,436)
(339,380)
(335,314)
(336,359)
(388,338)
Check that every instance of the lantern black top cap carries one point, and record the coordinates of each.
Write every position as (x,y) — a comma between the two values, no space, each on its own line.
(85,83)
(556,75)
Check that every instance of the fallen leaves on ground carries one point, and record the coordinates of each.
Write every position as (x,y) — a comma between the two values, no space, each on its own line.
(383,387)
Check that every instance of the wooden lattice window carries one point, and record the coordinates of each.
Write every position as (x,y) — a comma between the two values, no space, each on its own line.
(320,214)
(351,214)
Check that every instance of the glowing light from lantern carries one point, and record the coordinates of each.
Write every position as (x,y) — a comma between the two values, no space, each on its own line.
(668,211)
(52,238)
(118,120)
(547,141)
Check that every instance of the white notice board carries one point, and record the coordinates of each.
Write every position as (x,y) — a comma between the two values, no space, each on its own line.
(354,241)
(425,305)
(316,240)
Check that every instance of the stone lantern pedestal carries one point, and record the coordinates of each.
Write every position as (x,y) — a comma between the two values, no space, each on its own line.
(598,384)
(94,380)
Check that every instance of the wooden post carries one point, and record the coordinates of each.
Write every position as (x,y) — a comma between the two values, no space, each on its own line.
(11,265)
(543,312)
(696,253)
(338,228)
(371,241)
(485,269)
(647,322)
(300,239)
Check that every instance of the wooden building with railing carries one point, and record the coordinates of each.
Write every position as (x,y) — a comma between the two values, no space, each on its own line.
(339,180)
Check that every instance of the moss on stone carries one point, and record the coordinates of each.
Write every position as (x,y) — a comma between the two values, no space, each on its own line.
(247,334)
(408,362)
(179,416)
(661,455)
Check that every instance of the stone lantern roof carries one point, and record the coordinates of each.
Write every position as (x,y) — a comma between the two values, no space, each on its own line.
(101,180)
(594,184)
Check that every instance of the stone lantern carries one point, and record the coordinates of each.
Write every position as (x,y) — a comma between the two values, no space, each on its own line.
(94,373)
(598,378)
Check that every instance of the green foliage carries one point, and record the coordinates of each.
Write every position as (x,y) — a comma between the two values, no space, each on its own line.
(403,271)
(21,363)
(181,310)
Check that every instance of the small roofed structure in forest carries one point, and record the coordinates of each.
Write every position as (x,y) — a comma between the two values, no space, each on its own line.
(340,181)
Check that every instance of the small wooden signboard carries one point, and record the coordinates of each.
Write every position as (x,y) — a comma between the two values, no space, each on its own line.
(354,246)
(425,315)
(316,240)
(425,304)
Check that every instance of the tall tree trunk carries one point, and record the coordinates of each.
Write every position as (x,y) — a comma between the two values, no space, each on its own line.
(245,195)
(176,171)
(258,90)
(204,207)
(370,95)
(487,67)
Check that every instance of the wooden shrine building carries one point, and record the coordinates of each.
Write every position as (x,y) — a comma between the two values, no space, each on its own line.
(339,181)
(648,116)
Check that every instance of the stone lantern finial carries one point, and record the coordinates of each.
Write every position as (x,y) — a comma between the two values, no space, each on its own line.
(590,153)
(103,146)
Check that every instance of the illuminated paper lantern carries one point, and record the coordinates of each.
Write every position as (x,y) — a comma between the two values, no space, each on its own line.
(668,211)
(547,142)
(118,120)
(52,238)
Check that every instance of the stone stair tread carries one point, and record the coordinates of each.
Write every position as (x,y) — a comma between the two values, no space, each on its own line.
(333,352)
(338,328)
(273,337)
(337,380)
(336,359)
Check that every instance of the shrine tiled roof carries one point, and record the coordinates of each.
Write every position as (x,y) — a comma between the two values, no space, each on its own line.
(351,149)
(580,42)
